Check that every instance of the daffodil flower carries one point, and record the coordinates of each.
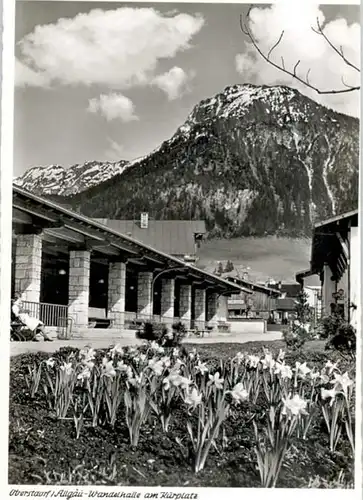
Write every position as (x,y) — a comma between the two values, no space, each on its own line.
(137,380)
(239,393)
(117,349)
(122,366)
(239,357)
(294,406)
(329,393)
(216,380)
(108,369)
(314,375)
(253,360)
(268,361)
(67,368)
(202,368)
(165,360)
(87,354)
(156,366)
(84,374)
(50,362)
(302,369)
(283,370)
(342,382)
(331,367)
(193,398)
(193,354)
(176,352)
(281,356)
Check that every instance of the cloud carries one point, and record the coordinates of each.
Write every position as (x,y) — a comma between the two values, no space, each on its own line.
(116,151)
(26,76)
(113,106)
(117,48)
(300,43)
(173,82)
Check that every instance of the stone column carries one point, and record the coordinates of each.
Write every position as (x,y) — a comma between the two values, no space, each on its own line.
(222,310)
(199,308)
(28,264)
(79,274)
(329,287)
(212,310)
(167,300)
(144,295)
(185,304)
(116,293)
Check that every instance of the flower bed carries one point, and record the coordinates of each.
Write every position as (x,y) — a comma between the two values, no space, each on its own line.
(151,416)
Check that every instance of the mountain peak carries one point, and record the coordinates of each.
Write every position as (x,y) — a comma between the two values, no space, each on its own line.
(250,160)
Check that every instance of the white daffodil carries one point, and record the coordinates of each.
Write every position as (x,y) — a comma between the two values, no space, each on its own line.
(268,361)
(294,406)
(165,360)
(67,368)
(281,356)
(314,375)
(239,393)
(117,349)
(50,362)
(239,357)
(342,382)
(202,368)
(193,354)
(283,370)
(193,398)
(216,380)
(329,393)
(84,374)
(302,369)
(154,346)
(137,380)
(176,352)
(253,360)
(331,367)
(156,366)
(108,369)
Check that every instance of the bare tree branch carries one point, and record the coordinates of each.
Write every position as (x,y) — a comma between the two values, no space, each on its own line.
(320,31)
(246,30)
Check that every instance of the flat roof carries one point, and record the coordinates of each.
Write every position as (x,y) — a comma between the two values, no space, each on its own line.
(61,224)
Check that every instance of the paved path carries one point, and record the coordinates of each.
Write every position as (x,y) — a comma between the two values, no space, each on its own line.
(25,347)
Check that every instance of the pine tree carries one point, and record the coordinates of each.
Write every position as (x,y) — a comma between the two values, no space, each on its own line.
(229,266)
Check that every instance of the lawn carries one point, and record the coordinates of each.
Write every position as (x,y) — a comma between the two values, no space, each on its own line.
(44,449)
(283,255)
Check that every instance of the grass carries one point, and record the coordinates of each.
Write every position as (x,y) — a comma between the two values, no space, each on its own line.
(285,256)
(43,450)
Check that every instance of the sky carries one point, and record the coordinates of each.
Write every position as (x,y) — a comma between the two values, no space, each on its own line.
(112,81)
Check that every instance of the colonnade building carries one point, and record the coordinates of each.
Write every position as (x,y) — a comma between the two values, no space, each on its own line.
(70,268)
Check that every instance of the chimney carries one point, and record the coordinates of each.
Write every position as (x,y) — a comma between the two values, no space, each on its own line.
(144,220)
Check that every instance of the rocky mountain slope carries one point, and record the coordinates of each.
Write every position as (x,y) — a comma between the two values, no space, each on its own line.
(251,160)
(56,180)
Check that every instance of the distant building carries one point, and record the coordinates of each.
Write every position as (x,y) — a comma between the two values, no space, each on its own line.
(179,238)
(255,301)
(335,258)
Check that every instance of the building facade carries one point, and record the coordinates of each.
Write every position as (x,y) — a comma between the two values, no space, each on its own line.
(335,258)
(69,267)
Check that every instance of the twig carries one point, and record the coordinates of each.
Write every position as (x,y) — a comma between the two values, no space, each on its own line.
(245,29)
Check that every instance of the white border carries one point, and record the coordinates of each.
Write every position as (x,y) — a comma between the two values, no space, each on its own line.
(5,269)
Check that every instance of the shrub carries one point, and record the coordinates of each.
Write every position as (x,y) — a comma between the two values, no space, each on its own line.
(328,326)
(299,331)
(344,340)
(153,331)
